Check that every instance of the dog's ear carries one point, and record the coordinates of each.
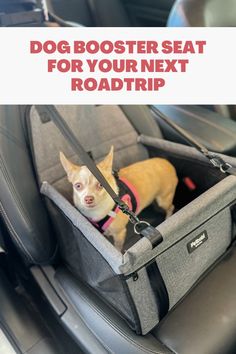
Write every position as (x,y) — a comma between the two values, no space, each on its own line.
(106,164)
(69,167)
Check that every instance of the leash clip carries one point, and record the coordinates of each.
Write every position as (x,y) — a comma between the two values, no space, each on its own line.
(139,226)
(142,228)
(224,168)
(218,162)
(125,209)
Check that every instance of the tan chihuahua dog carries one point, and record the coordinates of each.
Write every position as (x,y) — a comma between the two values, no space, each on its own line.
(149,180)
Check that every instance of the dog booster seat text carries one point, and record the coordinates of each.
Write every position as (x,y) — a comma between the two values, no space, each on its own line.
(118,65)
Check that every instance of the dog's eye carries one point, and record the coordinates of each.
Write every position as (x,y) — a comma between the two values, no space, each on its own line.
(99,186)
(78,186)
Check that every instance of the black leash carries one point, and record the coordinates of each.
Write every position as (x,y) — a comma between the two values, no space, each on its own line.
(215,159)
(143,228)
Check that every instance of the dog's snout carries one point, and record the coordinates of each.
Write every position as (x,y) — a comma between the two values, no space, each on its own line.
(89,199)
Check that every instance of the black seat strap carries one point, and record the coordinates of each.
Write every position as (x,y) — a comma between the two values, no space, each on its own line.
(158,288)
(215,159)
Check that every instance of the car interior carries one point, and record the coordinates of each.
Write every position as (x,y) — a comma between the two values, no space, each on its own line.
(44,308)
(90,323)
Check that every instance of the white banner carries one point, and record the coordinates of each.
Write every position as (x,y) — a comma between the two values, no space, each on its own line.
(117,65)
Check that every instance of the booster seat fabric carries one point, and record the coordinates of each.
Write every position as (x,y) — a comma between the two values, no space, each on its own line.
(193,238)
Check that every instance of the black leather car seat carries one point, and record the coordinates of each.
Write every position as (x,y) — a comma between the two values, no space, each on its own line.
(21,328)
(94,325)
(91,13)
(112,13)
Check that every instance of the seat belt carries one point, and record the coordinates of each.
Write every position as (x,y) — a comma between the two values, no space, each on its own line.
(143,228)
(215,159)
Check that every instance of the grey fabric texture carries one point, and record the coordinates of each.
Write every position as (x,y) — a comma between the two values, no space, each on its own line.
(97,128)
(140,290)
(145,301)
(109,252)
(182,223)
(89,265)
(184,150)
(181,269)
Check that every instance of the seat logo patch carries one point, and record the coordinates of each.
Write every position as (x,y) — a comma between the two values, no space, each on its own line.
(197,241)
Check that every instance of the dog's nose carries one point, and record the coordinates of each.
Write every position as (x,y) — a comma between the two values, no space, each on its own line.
(89,199)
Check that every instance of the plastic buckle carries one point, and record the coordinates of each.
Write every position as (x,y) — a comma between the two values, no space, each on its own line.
(215,160)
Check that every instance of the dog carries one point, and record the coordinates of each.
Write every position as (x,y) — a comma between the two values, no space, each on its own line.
(144,182)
